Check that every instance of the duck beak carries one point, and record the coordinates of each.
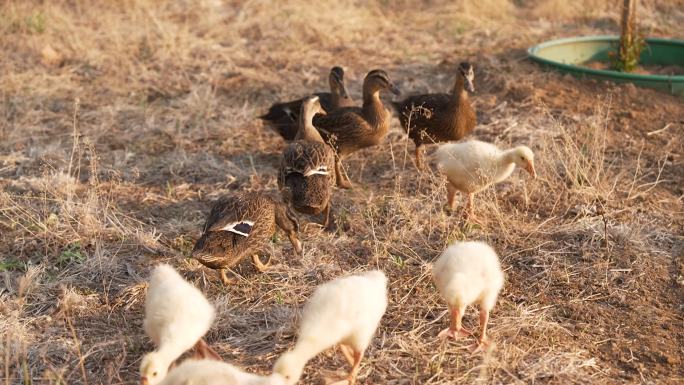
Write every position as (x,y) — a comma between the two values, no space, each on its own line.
(393,89)
(343,91)
(143,381)
(530,168)
(469,85)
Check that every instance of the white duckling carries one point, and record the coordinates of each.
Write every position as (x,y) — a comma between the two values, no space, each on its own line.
(467,273)
(344,311)
(177,316)
(472,166)
(211,372)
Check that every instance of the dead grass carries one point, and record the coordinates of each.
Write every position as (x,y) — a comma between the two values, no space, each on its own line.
(121,121)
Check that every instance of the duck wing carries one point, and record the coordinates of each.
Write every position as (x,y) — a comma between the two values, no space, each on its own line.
(237,214)
(345,129)
(307,170)
(307,158)
(283,117)
(421,109)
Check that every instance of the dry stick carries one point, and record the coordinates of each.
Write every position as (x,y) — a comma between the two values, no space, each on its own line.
(7,349)
(78,346)
(660,130)
(74,148)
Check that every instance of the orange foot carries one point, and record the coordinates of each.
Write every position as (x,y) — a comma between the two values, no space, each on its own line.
(453,333)
(478,347)
(471,219)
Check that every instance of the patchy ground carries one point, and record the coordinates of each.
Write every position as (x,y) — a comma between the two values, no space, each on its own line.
(121,123)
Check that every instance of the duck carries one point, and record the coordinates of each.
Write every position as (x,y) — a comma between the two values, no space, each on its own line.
(177,316)
(209,372)
(242,224)
(349,129)
(306,176)
(344,311)
(472,166)
(434,118)
(468,273)
(284,117)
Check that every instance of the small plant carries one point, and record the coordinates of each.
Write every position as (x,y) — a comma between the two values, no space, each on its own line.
(184,245)
(35,23)
(398,261)
(631,40)
(10,264)
(72,253)
(279,298)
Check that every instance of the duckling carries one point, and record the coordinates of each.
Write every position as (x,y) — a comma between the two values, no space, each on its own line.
(208,372)
(344,311)
(350,129)
(284,117)
(306,174)
(467,273)
(177,316)
(439,117)
(472,166)
(239,225)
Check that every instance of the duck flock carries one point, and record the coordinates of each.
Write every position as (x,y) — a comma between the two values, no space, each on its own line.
(321,129)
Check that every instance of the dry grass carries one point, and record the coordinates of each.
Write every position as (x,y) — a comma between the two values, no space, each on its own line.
(121,121)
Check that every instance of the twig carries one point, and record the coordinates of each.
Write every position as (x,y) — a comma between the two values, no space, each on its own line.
(7,354)
(78,347)
(660,130)
(77,103)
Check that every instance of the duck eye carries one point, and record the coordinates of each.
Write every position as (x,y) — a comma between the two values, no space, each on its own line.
(154,374)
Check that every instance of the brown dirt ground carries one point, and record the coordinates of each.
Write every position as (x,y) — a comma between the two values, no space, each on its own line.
(95,193)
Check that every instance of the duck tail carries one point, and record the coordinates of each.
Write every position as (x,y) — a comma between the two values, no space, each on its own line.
(270,115)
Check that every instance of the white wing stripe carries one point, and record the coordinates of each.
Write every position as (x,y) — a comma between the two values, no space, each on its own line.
(231,227)
(316,172)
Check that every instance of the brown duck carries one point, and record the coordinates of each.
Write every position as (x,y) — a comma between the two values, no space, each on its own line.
(306,177)
(437,118)
(349,129)
(242,224)
(284,117)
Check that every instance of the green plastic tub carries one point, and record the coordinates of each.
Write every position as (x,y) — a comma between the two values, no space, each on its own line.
(567,55)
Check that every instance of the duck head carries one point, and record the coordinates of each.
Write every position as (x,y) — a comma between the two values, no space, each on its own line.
(306,130)
(153,368)
(290,367)
(378,80)
(312,106)
(336,80)
(524,157)
(465,72)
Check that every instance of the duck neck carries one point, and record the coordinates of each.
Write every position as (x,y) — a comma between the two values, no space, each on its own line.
(306,130)
(306,350)
(507,157)
(505,164)
(373,109)
(169,351)
(336,95)
(459,93)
